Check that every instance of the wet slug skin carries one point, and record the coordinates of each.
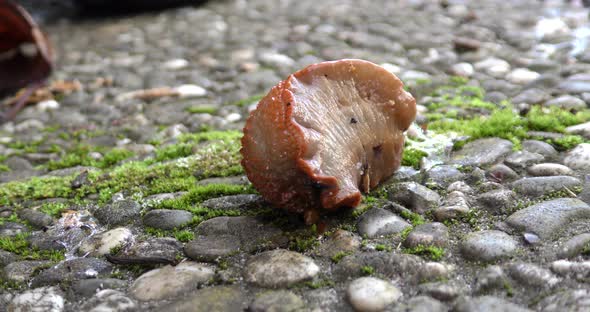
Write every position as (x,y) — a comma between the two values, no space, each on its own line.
(325,134)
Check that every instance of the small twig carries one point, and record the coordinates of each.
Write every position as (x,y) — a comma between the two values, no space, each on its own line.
(570,191)
(130,260)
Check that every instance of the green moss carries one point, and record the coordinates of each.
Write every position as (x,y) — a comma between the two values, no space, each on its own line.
(19,245)
(414,218)
(4,168)
(174,151)
(199,193)
(339,255)
(53,209)
(412,157)
(566,142)
(431,252)
(367,270)
(321,283)
(35,188)
(201,110)
(405,232)
(382,247)
(80,156)
(184,236)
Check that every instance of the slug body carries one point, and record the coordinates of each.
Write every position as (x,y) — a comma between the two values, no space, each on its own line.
(325,134)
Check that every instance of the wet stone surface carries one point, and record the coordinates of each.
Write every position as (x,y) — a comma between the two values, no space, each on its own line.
(114,199)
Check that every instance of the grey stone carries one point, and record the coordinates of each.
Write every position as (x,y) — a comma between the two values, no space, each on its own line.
(118,213)
(89,287)
(102,243)
(414,196)
(421,304)
(36,218)
(487,304)
(279,268)
(110,300)
(578,157)
(442,291)
(7,257)
(574,86)
(9,228)
(41,299)
(325,299)
(568,300)
(277,301)
(170,281)
(492,277)
(167,219)
(531,96)
(501,173)
(217,298)
(549,169)
(234,202)
(532,275)
(341,241)
(371,294)
(454,206)
(378,222)
(72,270)
(211,248)
(428,234)
(160,247)
(483,152)
(540,147)
(498,201)
(523,159)
(252,233)
(548,218)
(567,102)
(538,186)
(443,175)
(581,129)
(391,265)
(574,246)
(488,246)
(22,271)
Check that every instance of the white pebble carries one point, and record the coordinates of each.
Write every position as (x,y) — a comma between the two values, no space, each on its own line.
(372,294)
(176,64)
(49,105)
(463,69)
(187,91)
(522,76)
(233,117)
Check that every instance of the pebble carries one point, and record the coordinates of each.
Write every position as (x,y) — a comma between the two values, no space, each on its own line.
(532,275)
(442,291)
(454,206)
(102,243)
(118,213)
(36,218)
(549,169)
(380,222)
(161,247)
(72,270)
(421,304)
(501,173)
(110,300)
(482,152)
(574,246)
(567,300)
(341,241)
(522,76)
(89,287)
(493,66)
(462,69)
(492,277)
(442,176)
(488,246)
(43,299)
(487,304)
(190,91)
(211,248)
(167,219)
(548,218)
(540,147)
(216,298)
(497,201)
(538,186)
(579,157)
(581,129)
(428,234)
(175,64)
(415,196)
(22,271)
(369,294)
(522,159)
(279,268)
(567,102)
(276,59)
(48,105)
(280,300)
(170,281)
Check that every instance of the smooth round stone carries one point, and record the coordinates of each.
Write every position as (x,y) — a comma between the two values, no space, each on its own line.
(442,176)
(498,201)
(190,91)
(102,244)
(538,186)
(488,246)
(440,290)
(574,246)
(21,271)
(7,257)
(378,222)
(118,213)
(492,277)
(211,248)
(161,247)
(522,76)
(368,294)
(170,281)
(414,196)
(72,270)
(548,218)
(493,66)
(281,300)
(35,218)
(46,299)
(581,129)
(341,241)
(421,304)
(523,159)
(167,219)
(531,96)
(567,102)
(549,169)
(233,202)
(109,300)
(428,234)
(279,268)
(89,287)
(216,298)
(12,228)
(487,304)
(482,152)
(533,275)
(540,147)
(501,173)
(568,300)
(454,206)
(579,157)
